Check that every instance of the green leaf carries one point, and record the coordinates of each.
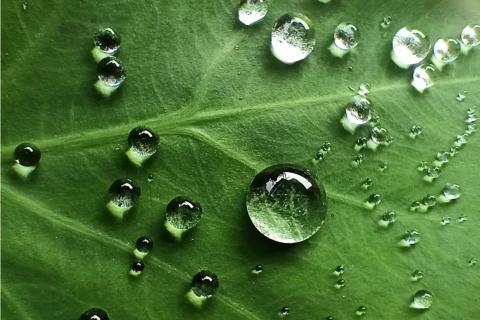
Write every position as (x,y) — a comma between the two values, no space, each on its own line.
(223,114)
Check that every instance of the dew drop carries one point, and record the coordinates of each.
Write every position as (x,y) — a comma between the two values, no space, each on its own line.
(415,131)
(378,136)
(383,166)
(329,318)
(339,284)
(124,193)
(445,51)
(449,193)
(117,147)
(416,275)
(285,311)
(423,166)
(345,38)
(422,78)
(445,221)
(94,314)
(324,150)
(432,173)
(364,89)
(143,246)
(462,218)
(26,158)
(360,144)
(460,97)
(285,203)
(25,6)
(150,178)
(372,201)
(252,11)
(441,159)
(106,43)
(367,183)
(111,74)
(257,269)
(357,160)
(204,286)
(387,219)
(142,144)
(472,262)
(410,46)
(324,1)
(470,37)
(415,205)
(409,239)
(385,23)
(293,38)
(357,112)
(137,268)
(339,270)
(460,141)
(422,299)
(182,214)
(361,311)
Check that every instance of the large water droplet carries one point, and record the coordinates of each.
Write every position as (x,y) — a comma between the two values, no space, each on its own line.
(137,268)
(106,42)
(345,38)
(94,314)
(143,246)
(410,46)
(286,204)
(143,144)
(124,193)
(204,286)
(422,299)
(422,77)
(27,156)
(293,38)
(470,37)
(357,112)
(111,74)
(445,50)
(182,214)
(252,11)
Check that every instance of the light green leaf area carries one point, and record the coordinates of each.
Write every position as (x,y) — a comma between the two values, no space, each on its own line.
(225,109)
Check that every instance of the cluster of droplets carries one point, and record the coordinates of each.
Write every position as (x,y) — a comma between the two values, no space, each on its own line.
(425,204)
(143,247)
(322,153)
(338,272)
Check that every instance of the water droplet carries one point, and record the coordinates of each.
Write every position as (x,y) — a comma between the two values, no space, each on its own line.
(378,136)
(324,1)
(427,203)
(345,38)
(137,268)
(111,74)
(94,314)
(422,300)
(252,11)
(182,214)
(329,318)
(150,178)
(470,37)
(388,218)
(237,47)
(361,311)
(339,284)
(462,218)
(472,262)
(339,270)
(410,46)
(360,144)
(416,275)
(143,246)
(357,160)
(26,158)
(285,311)
(415,131)
(409,239)
(324,150)
(257,269)
(285,203)
(124,193)
(385,23)
(460,97)
(441,159)
(25,5)
(357,112)
(445,221)
(453,151)
(106,42)
(204,286)
(471,119)
(383,166)
(118,146)
(422,78)
(423,166)
(432,174)
(372,201)
(350,68)
(450,192)
(367,183)
(293,38)
(364,89)
(143,144)
(445,51)
(460,140)
(415,205)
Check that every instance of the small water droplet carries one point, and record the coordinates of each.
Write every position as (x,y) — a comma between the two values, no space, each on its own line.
(137,268)
(388,218)
(453,151)
(106,42)
(293,38)
(150,178)
(339,284)
(324,150)
(422,77)
(409,239)
(427,202)
(360,144)
(143,144)
(25,5)
(462,218)
(416,275)
(339,270)
(350,68)
(345,38)
(285,203)
(470,37)
(143,246)
(118,146)
(361,311)
(94,314)
(204,286)
(378,136)
(432,173)
(252,11)
(410,46)
(364,89)
(383,166)
(357,160)
(257,269)
(181,215)
(329,318)
(445,51)
(367,183)
(445,221)
(385,23)
(441,158)
(460,97)
(111,74)
(357,112)
(472,262)
(449,193)
(26,158)
(422,299)
(372,201)
(460,141)
(237,47)
(124,193)
(415,131)
(423,166)
(285,311)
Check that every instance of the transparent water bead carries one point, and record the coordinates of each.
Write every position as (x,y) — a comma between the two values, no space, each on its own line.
(386,21)
(360,144)
(361,311)
(142,144)
(339,284)
(445,221)
(470,37)
(143,246)
(124,193)
(422,299)
(285,311)
(441,159)
(329,318)
(363,89)
(378,136)
(357,112)
(137,268)
(432,174)
(416,275)
(339,270)
(111,74)
(367,183)
(409,239)
(460,96)
(472,262)
(252,11)
(462,218)
(425,204)
(387,219)
(106,43)
(345,38)
(450,193)
(445,51)
(324,1)
(357,160)
(423,166)
(293,38)
(415,131)
(372,201)
(94,314)
(150,178)
(182,214)
(460,141)
(422,77)
(285,203)
(26,158)
(383,166)
(409,47)
(257,269)
(324,150)
(204,286)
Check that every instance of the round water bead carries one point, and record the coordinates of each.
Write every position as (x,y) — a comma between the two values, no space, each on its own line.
(387,219)
(124,193)
(339,270)
(106,42)
(111,74)
(432,173)
(372,201)
(445,50)
(462,218)
(409,46)
(143,246)
(361,311)
(470,37)
(339,284)
(378,136)
(357,112)
(422,299)
(450,192)
(182,214)
(285,311)
(252,11)
(345,38)
(94,314)
(409,239)
(285,203)
(257,269)
(143,144)
(360,144)
(415,131)
(293,38)
(367,183)
(416,275)
(137,268)
(386,21)
(27,156)
(204,286)
(422,77)
(445,221)
(357,160)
